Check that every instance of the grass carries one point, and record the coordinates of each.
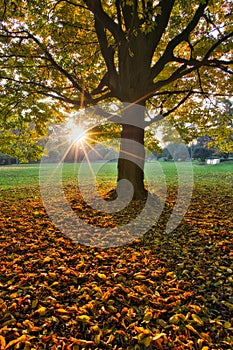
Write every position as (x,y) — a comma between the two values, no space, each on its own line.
(27,175)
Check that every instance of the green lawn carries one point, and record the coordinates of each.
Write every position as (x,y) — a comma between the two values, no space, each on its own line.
(28,174)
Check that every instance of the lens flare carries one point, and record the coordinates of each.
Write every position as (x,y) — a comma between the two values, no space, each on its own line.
(76,133)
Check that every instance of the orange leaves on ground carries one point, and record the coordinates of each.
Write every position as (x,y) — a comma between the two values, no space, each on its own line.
(161,292)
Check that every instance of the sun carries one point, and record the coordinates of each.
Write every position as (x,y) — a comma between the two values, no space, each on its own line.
(75,133)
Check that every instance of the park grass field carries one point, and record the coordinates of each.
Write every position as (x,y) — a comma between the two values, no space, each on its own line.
(25,175)
(162,291)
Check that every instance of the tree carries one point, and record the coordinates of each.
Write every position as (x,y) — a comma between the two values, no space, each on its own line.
(222,133)
(70,54)
(202,153)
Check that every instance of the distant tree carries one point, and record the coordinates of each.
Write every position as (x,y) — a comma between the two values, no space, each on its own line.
(7,160)
(202,153)
(176,151)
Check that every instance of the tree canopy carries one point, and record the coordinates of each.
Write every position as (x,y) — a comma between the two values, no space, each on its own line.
(61,55)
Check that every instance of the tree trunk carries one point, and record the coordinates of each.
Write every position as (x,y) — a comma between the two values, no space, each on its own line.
(132,154)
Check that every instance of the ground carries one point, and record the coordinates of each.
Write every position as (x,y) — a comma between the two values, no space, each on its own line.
(159,292)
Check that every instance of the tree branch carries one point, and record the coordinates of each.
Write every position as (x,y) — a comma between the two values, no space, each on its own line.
(219,42)
(168,53)
(161,22)
(223,68)
(178,104)
(194,92)
(199,80)
(110,79)
(71,3)
(27,35)
(59,68)
(96,8)
(48,90)
(161,116)
(118,7)
(130,15)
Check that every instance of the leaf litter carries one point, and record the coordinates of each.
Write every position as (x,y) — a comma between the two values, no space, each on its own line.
(159,292)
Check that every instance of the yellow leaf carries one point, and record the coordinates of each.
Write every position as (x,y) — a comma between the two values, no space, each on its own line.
(102,276)
(110,339)
(2,343)
(148,316)
(47,259)
(227,325)
(195,308)
(13,295)
(142,330)
(191,328)
(41,311)
(82,342)
(106,295)
(111,308)
(95,328)
(174,319)
(227,304)
(97,338)
(157,336)
(147,341)
(140,277)
(83,318)
(34,303)
(52,274)
(62,311)
(100,257)
(21,339)
(197,319)
(54,283)
(28,323)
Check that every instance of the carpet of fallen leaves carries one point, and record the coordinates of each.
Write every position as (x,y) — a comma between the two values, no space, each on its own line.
(160,292)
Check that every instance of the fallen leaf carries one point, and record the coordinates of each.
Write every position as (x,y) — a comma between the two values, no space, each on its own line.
(2,343)
(82,342)
(197,319)
(41,311)
(21,339)
(83,318)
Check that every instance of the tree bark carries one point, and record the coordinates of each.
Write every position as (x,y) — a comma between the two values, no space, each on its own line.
(132,153)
